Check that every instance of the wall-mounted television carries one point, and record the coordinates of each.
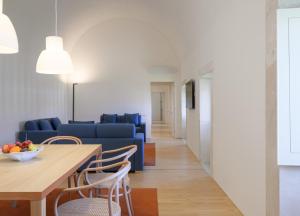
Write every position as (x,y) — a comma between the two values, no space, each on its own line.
(190,94)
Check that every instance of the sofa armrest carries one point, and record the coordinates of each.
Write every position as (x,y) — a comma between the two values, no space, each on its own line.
(139,155)
(36,136)
(143,125)
(143,130)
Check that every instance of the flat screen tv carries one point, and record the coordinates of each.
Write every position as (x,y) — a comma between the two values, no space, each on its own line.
(190,94)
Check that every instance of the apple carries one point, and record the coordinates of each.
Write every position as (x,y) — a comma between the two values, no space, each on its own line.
(18,144)
(15,149)
(5,148)
(11,146)
(27,142)
(24,145)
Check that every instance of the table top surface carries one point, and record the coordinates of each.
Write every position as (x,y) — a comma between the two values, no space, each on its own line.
(35,179)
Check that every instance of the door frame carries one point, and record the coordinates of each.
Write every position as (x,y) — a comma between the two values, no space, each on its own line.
(183,111)
(208,69)
(162,105)
(170,104)
(206,76)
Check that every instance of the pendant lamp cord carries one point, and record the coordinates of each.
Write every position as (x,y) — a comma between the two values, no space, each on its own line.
(56,20)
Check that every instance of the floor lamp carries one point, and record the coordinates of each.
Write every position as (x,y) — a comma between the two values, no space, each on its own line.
(73,102)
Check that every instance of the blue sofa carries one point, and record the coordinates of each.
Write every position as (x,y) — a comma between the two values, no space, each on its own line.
(135,119)
(111,136)
(39,130)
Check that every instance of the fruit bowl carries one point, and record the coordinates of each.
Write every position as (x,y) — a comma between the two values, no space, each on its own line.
(24,156)
(21,151)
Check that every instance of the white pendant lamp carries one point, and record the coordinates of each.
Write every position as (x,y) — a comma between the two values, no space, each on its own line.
(8,35)
(54,59)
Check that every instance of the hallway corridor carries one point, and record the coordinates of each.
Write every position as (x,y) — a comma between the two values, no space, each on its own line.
(184,189)
(161,130)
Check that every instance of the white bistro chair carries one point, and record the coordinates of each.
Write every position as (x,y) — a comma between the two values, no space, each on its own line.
(95,206)
(72,139)
(51,140)
(122,154)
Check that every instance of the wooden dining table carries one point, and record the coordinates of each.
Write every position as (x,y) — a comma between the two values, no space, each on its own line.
(33,180)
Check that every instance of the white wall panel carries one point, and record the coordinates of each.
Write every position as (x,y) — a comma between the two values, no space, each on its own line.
(24,94)
(294,47)
(288,79)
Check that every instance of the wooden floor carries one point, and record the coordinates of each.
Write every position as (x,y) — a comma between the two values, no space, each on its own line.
(161,131)
(183,186)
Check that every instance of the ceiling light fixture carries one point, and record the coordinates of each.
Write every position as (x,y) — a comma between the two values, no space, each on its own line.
(8,35)
(54,59)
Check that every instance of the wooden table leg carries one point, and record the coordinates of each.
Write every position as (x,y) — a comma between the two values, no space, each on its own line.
(38,208)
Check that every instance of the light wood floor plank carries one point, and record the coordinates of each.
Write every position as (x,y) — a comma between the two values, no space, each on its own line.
(184,188)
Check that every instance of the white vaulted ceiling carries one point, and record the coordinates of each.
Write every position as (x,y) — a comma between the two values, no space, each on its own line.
(179,21)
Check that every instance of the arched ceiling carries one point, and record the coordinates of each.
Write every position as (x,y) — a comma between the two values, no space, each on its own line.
(180,21)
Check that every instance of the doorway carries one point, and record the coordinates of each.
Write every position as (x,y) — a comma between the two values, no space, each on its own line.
(163,106)
(158,107)
(205,105)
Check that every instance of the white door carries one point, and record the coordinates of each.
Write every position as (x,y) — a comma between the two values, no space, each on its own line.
(288,79)
(157,106)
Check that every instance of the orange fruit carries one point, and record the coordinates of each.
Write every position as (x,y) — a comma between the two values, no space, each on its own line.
(15,149)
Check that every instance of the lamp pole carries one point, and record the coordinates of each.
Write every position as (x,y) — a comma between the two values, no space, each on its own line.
(73,102)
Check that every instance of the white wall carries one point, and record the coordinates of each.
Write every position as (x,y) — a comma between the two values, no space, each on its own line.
(238,63)
(114,57)
(24,94)
(163,74)
(239,163)
(288,3)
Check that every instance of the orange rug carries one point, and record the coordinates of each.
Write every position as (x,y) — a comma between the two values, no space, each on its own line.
(149,155)
(144,202)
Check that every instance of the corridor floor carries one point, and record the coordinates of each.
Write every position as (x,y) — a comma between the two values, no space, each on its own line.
(184,188)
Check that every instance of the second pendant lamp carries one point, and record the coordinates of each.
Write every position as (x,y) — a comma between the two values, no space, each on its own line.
(54,59)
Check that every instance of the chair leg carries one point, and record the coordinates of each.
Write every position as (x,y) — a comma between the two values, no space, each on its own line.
(129,210)
(128,200)
(75,179)
(91,195)
(69,186)
(117,194)
(130,203)
(69,182)
(98,192)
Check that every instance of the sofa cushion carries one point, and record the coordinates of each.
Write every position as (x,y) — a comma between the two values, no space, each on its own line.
(31,126)
(81,122)
(78,130)
(55,123)
(115,131)
(121,119)
(132,118)
(45,124)
(36,136)
(109,118)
